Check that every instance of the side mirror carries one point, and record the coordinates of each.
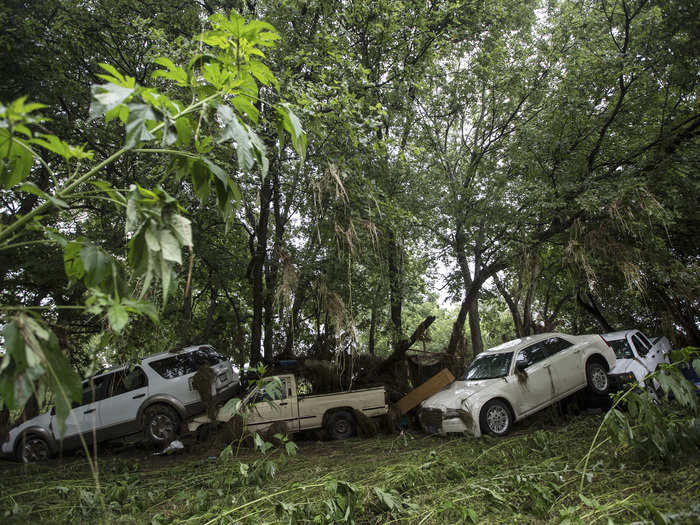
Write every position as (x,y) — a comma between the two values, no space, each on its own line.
(520,366)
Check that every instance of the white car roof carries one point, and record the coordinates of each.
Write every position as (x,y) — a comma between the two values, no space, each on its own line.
(517,344)
(614,336)
(150,358)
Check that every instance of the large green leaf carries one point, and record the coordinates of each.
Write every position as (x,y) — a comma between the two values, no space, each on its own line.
(136,129)
(106,97)
(96,265)
(117,317)
(72,260)
(16,160)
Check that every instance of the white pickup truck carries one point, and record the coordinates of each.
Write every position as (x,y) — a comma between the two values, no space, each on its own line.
(334,412)
(637,356)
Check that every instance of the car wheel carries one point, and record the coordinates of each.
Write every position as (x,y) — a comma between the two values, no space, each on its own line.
(341,425)
(32,449)
(495,418)
(160,424)
(597,377)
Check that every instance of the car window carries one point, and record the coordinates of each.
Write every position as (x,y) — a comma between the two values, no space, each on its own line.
(488,366)
(95,390)
(642,349)
(532,354)
(555,344)
(622,349)
(644,340)
(128,380)
(185,363)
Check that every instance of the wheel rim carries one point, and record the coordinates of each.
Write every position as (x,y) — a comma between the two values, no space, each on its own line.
(497,419)
(34,449)
(599,378)
(341,427)
(162,427)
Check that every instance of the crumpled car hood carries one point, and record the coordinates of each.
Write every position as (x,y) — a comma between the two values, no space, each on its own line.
(458,391)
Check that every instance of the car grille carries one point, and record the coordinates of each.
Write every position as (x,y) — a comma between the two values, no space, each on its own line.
(431,419)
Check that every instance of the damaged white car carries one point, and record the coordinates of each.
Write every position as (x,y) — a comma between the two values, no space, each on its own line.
(511,381)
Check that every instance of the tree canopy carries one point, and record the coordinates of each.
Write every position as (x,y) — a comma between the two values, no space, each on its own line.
(302,178)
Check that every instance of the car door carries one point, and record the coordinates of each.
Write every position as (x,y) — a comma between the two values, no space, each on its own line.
(647,357)
(118,411)
(84,418)
(536,384)
(655,355)
(270,405)
(566,365)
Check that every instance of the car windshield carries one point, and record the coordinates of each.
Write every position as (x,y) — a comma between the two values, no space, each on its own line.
(622,349)
(489,366)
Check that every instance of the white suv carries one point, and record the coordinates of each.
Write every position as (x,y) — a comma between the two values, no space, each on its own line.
(153,397)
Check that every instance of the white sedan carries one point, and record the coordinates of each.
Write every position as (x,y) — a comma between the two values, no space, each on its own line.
(511,381)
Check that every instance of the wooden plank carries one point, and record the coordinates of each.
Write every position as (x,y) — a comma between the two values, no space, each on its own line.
(436,383)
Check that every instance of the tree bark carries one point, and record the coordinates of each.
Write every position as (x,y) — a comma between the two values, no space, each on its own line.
(394,260)
(256,274)
(590,306)
(402,347)
(372,329)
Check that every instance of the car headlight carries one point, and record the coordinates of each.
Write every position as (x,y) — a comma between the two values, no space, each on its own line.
(627,377)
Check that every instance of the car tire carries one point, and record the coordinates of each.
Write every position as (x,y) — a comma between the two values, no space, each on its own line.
(160,424)
(495,418)
(341,425)
(597,378)
(32,449)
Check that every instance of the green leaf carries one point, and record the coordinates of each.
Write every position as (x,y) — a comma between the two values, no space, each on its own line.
(117,317)
(696,366)
(263,74)
(166,278)
(182,228)
(170,247)
(96,265)
(106,97)
(184,131)
(173,72)
(72,260)
(292,125)
(16,160)
(238,133)
(245,106)
(32,188)
(136,130)
(58,146)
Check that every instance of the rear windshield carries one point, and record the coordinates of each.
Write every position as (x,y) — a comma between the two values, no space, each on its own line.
(185,363)
(622,349)
(489,366)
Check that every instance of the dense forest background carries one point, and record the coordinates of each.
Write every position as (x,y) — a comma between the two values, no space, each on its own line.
(507,166)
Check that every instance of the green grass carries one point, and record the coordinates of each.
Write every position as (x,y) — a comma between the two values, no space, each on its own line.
(532,476)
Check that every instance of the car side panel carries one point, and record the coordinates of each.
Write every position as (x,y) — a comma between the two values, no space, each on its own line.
(568,369)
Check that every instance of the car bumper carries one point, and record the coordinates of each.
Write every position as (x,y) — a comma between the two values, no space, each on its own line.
(433,421)
(619,382)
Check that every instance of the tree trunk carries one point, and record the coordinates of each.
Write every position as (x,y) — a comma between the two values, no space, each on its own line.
(372,329)
(257,272)
(214,293)
(590,306)
(394,258)
(401,348)
(475,327)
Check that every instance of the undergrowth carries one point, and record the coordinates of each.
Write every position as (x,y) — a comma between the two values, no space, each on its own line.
(530,477)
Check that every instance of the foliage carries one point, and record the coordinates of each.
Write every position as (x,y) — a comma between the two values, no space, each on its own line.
(530,476)
(657,429)
(223,82)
